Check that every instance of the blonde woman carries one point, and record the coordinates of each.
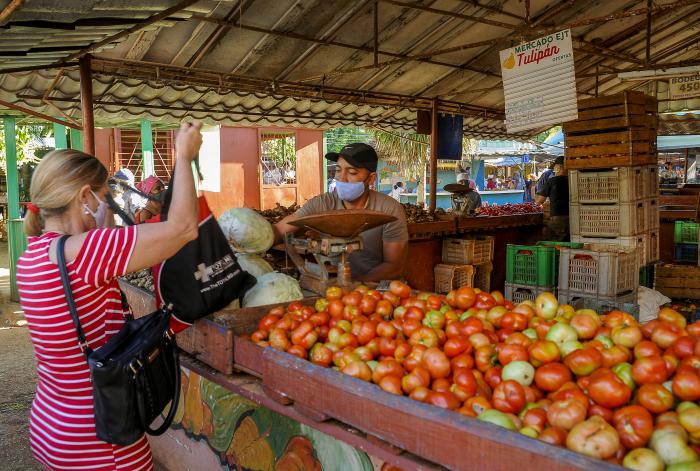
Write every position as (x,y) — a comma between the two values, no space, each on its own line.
(68,191)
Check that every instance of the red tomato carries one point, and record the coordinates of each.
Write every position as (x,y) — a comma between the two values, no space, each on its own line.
(535,418)
(649,370)
(554,436)
(465,297)
(542,352)
(508,353)
(566,413)
(683,347)
(402,290)
(607,390)
(456,346)
(509,397)
(646,348)
(444,399)
(514,321)
(686,384)
(600,411)
(655,398)
(634,425)
(484,300)
(584,361)
(436,362)
(552,376)
(615,355)
(493,376)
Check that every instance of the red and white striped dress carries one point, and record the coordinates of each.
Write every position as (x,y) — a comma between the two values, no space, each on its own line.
(62,424)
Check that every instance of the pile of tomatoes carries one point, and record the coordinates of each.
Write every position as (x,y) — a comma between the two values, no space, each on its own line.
(509,209)
(604,386)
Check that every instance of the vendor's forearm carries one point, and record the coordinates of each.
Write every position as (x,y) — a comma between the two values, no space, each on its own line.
(383,271)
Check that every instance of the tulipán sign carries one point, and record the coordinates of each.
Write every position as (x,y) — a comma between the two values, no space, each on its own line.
(539,82)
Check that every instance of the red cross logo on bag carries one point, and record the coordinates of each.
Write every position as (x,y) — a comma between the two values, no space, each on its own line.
(203,272)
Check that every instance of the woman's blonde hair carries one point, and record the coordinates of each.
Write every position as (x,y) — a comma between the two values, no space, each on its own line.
(56,182)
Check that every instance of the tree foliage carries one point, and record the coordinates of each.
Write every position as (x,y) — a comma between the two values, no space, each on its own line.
(29,146)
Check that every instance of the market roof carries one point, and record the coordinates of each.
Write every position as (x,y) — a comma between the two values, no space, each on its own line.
(319,63)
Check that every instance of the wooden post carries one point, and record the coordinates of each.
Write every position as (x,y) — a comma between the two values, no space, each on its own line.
(147,149)
(59,135)
(15,234)
(433,155)
(86,105)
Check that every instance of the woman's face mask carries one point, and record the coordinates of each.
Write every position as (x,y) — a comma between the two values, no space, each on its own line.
(349,191)
(100,215)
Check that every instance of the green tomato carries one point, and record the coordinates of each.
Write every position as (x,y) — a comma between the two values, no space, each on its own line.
(568,347)
(520,371)
(605,340)
(531,334)
(624,372)
(497,417)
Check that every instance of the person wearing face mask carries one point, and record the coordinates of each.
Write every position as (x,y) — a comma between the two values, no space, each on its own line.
(385,248)
(68,192)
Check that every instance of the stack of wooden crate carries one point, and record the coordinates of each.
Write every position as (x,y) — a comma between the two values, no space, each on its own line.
(465,262)
(613,181)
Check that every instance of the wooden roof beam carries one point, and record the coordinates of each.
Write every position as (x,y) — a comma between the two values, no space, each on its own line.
(37,114)
(9,9)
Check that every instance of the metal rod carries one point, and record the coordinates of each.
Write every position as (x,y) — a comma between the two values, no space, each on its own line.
(647,56)
(461,16)
(30,68)
(36,114)
(86,105)
(596,80)
(153,19)
(433,155)
(376,33)
(9,9)
(328,42)
(494,9)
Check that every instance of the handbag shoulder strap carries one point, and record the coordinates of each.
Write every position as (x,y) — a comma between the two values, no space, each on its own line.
(63,269)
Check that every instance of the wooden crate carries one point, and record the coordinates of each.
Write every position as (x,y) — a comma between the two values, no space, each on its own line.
(441,436)
(678,281)
(611,149)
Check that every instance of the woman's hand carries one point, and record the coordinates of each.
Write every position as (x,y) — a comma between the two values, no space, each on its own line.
(188,141)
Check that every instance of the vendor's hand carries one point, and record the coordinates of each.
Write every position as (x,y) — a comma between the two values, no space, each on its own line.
(188,141)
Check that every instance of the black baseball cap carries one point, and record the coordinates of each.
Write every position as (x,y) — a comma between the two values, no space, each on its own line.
(559,160)
(357,154)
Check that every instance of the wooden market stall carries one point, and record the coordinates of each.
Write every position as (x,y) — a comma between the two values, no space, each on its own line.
(228,378)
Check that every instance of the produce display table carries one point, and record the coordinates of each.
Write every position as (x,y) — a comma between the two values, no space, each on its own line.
(292,411)
(425,246)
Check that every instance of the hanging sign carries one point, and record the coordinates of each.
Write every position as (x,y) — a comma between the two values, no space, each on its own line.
(539,82)
(687,86)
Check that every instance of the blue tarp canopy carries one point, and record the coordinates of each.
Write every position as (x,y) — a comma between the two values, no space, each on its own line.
(508,161)
(678,142)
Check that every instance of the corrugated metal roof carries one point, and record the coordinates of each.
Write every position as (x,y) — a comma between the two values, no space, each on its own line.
(311,63)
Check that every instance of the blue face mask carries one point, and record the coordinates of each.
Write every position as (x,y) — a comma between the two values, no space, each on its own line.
(349,191)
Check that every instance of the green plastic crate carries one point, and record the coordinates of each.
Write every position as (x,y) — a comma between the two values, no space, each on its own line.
(535,265)
(686,232)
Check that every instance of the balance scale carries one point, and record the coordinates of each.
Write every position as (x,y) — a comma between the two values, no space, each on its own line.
(334,236)
(458,197)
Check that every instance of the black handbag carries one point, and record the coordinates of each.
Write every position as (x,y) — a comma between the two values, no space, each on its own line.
(135,375)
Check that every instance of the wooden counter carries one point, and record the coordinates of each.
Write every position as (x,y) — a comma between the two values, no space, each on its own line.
(425,245)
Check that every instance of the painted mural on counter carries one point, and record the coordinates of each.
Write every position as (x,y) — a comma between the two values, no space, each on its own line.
(245,436)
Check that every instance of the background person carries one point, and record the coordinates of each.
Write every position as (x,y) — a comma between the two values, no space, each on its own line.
(68,197)
(155,188)
(557,190)
(385,248)
(396,191)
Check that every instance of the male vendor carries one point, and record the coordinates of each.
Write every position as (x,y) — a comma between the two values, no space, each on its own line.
(385,248)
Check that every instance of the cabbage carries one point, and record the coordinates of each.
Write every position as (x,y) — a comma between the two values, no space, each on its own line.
(273,288)
(246,230)
(253,264)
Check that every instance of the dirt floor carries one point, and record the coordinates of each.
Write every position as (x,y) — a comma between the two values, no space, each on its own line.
(17,380)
